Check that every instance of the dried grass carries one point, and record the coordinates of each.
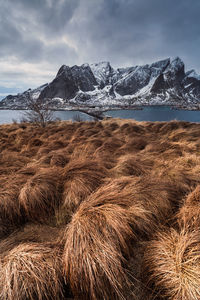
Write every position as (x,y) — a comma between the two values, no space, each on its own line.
(9,193)
(189,214)
(31,271)
(116,183)
(109,146)
(29,233)
(42,194)
(173,263)
(153,195)
(182,178)
(93,257)
(11,161)
(99,237)
(133,145)
(81,178)
(57,158)
(131,165)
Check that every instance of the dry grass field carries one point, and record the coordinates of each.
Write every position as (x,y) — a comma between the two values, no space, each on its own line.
(100,210)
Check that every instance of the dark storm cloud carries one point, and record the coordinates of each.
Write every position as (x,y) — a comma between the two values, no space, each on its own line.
(139,31)
(48,33)
(27,26)
(52,15)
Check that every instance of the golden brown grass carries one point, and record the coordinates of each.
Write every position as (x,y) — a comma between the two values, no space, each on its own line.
(153,195)
(189,214)
(109,146)
(10,186)
(121,192)
(59,158)
(29,233)
(11,161)
(81,177)
(97,239)
(40,195)
(173,263)
(97,194)
(31,271)
(55,158)
(132,165)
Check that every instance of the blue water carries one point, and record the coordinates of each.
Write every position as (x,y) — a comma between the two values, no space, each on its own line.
(8,116)
(149,113)
(156,113)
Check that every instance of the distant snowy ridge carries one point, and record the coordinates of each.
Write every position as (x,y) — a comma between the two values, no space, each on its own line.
(100,85)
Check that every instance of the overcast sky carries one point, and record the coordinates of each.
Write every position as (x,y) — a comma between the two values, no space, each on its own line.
(38,36)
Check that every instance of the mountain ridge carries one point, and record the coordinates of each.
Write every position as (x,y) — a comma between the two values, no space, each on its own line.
(164,82)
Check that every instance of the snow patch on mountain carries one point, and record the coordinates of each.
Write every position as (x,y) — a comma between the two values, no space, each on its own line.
(99,84)
(193,74)
(102,72)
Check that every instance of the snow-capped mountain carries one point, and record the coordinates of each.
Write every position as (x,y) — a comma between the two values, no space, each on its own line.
(100,85)
(20,100)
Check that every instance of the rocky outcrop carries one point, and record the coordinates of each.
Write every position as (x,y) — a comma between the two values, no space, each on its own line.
(69,81)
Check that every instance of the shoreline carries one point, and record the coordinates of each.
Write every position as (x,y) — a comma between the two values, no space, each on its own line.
(101,113)
(93,109)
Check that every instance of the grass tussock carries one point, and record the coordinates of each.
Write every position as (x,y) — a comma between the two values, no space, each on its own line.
(173,263)
(189,213)
(10,186)
(120,192)
(41,193)
(154,196)
(29,233)
(80,204)
(31,271)
(132,165)
(11,161)
(81,178)
(57,158)
(96,240)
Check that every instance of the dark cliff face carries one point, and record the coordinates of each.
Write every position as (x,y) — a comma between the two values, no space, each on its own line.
(159,85)
(174,74)
(69,81)
(63,86)
(191,83)
(139,77)
(134,81)
(100,83)
(192,86)
(170,77)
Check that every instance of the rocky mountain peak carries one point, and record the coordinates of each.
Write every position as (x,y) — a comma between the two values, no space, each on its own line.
(176,65)
(174,73)
(161,64)
(192,74)
(99,84)
(62,70)
(102,72)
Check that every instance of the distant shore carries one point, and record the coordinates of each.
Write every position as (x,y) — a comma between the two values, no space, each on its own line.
(140,113)
(91,109)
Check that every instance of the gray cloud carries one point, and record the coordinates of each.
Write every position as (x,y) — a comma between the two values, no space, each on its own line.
(51,15)
(140,31)
(38,36)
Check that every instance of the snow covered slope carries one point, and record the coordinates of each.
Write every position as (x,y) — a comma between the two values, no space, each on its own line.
(19,100)
(100,85)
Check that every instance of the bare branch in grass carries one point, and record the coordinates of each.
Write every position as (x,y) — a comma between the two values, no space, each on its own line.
(38,111)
